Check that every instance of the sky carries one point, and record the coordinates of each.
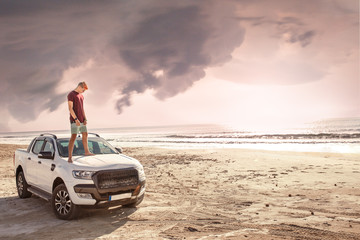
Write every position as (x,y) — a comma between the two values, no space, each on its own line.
(244,63)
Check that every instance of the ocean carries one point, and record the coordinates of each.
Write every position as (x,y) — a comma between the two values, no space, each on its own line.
(331,135)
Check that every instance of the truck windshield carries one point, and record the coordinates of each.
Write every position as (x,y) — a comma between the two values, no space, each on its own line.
(96,146)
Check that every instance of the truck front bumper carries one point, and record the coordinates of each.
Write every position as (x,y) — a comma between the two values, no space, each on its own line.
(114,196)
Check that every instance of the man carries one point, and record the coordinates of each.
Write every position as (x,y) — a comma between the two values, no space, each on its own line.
(78,118)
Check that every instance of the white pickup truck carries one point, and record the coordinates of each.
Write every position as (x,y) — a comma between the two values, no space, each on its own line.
(106,179)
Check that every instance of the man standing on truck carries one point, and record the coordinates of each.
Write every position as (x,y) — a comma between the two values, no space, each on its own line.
(78,118)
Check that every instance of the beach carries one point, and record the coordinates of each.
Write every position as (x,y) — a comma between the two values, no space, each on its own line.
(207,194)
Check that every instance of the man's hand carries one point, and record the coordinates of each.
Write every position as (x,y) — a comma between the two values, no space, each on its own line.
(70,160)
(85,122)
(77,123)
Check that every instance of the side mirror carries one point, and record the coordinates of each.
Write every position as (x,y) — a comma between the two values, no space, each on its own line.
(119,149)
(46,155)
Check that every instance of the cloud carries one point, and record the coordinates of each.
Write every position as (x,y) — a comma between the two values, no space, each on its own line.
(42,40)
(180,42)
(294,42)
(161,45)
(35,50)
(292,29)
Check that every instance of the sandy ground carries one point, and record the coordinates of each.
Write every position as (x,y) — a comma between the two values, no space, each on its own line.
(208,194)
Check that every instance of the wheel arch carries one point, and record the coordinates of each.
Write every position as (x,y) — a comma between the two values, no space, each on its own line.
(57,182)
(19,169)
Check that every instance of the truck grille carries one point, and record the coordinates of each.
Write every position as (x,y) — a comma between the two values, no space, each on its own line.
(112,179)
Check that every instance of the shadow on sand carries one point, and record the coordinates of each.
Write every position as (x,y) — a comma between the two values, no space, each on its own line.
(33,218)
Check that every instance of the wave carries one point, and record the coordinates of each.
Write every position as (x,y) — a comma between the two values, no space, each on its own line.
(240,142)
(273,136)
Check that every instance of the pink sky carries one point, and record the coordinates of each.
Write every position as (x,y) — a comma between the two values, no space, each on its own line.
(243,63)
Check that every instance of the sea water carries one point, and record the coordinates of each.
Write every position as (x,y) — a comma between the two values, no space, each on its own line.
(331,135)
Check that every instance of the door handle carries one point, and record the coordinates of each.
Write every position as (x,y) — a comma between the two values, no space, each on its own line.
(39,162)
(29,158)
(53,167)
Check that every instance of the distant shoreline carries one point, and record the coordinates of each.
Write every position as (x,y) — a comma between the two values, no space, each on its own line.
(323,136)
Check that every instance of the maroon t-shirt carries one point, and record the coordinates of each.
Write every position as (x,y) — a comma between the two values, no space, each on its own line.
(77,99)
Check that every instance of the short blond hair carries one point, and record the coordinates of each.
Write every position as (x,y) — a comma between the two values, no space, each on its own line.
(83,85)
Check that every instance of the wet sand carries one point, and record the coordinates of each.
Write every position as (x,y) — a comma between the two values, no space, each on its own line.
(208,194)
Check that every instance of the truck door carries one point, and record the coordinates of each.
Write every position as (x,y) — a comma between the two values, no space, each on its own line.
(46,167)
(32,162)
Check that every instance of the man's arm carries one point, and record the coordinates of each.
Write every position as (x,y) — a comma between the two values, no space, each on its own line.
(71,104)
(85,119)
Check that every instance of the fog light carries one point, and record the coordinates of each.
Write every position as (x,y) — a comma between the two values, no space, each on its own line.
(142,190)
(85,195)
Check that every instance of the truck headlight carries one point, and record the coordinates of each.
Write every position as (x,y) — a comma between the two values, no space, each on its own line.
(82,174)
(141,173)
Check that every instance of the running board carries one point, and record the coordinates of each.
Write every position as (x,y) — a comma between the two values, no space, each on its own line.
(40,193)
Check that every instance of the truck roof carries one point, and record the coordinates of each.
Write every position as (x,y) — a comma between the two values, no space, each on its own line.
(55,137)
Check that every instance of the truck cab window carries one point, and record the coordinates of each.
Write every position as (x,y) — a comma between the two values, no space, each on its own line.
(49,147)
(38,145)
(29,147)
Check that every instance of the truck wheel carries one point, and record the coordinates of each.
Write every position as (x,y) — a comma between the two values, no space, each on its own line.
(62,205)
(22,186)
(134,204)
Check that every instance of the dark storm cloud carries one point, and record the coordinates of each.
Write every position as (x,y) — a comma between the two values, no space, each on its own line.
(35,49)
(171,42)
(180,43)
(41,39)
(160,45)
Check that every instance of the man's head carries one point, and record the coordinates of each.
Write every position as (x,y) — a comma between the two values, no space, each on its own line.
(81,87)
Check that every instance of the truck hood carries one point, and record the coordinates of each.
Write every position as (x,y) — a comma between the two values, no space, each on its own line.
(108,161)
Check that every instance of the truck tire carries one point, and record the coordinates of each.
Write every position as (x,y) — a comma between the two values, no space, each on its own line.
(62,205)
(22,186)
(134,204)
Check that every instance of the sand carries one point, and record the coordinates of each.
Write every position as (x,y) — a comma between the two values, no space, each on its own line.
(208,194)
